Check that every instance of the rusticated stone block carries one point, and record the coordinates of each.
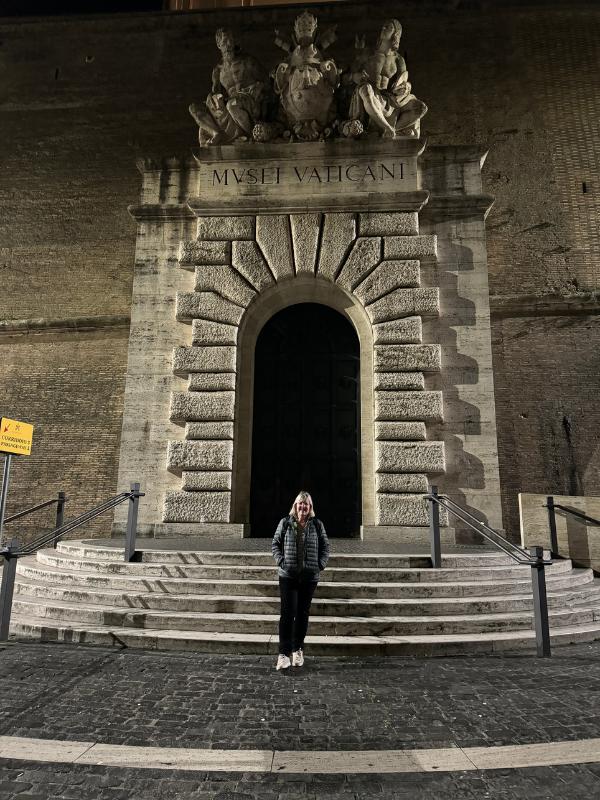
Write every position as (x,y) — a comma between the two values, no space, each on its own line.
(339,231)
(207,305)
(205,332)
(409,457)
(225,228)
(407,357)
(211,382)
(192,253)
(403,303)
(409,246)
(206,481)
(389,224)
(222,431)
(305,239)
(408,330)
(225,281)
(199,456)
(393,381)
(389,483)
(400,431)
(364,256)
(386,277)
(195,406)
(248,260)
(203,359)
(403,509)
(393,406)
(197,507)
(274,238)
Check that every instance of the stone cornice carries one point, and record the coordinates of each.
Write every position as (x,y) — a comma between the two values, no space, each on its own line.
(392,201)
(544,305)
(460,205)
(11,327)
(155,211)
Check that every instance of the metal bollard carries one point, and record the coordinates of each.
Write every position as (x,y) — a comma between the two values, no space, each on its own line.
(60,512)
(540,603)
(8,587)
(434,530)
(552,525)
(132,522)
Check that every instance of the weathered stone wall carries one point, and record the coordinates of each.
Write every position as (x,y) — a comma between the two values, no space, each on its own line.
(82,98)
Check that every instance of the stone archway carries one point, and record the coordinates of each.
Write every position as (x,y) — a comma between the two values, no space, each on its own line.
(306,418)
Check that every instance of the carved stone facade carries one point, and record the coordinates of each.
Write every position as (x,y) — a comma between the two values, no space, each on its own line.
(390,237)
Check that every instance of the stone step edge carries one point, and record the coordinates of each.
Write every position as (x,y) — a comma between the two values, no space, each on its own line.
(260,643)
(26,600)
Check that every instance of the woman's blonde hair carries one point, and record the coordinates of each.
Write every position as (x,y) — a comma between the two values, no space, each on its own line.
(302,496)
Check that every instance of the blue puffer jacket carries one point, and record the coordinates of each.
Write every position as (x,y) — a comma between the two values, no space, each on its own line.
(316,549)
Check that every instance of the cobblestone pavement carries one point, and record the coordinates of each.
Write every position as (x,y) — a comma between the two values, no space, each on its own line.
(232,702)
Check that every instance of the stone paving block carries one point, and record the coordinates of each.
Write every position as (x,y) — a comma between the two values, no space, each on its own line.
(197,406)
(393,381)
(408,330)
(409,246)
(247,258)
(207,305)
(226,282)
(192,253)
(364,256)
(395,406)
(407,358)
(209,430)
(205,332)
(386,277)
(204,359)
(400,431)
(389,224)
(305,239)
(339,232)
(225,228)
(427,457)
(199,455)
(196,506)
(403,303)
(273,236)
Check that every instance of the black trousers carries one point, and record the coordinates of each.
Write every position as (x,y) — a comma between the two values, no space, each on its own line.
(296,596)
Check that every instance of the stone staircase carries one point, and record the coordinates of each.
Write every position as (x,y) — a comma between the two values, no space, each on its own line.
(227,602)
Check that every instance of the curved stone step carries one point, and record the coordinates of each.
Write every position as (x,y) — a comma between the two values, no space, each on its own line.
(94,615)
(239,604)
(84,550)
(41,629)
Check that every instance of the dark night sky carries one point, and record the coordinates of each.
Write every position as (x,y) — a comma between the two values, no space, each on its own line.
(44,8)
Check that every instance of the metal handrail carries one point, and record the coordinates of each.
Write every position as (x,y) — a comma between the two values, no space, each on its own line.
(579,514)
(518,554)
(35,508)
(13,551)
(535,559)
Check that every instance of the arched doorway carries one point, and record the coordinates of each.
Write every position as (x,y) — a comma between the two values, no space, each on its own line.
(306,420)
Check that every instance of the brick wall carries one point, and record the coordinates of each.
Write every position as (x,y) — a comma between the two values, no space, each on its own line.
(83,97)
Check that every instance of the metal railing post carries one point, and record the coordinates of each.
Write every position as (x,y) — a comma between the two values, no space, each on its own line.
(540,603)
(4,491)
(60,512)
(434,530)
(132,514)
(552,525)
(7,589)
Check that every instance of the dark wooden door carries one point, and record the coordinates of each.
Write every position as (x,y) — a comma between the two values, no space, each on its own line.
(306,430)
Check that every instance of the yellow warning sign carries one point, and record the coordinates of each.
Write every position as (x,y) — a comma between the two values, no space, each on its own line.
(15,436)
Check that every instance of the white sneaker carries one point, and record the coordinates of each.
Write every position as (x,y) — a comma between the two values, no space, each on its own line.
(298,658)
(283,662)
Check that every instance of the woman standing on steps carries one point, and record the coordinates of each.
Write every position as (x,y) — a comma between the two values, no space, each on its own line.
(301,549)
